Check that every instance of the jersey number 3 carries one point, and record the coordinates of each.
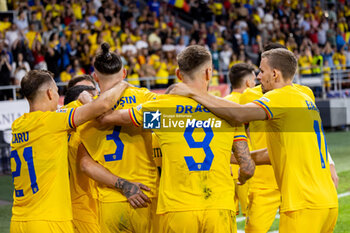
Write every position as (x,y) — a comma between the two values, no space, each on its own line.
(209,156)
(118,154)
(28,157)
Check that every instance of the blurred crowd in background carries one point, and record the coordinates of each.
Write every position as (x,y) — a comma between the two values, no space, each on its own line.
(63,36)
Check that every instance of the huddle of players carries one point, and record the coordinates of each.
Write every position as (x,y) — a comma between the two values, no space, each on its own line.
(195,191)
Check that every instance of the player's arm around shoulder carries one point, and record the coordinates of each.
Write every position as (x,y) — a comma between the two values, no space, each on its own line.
(99,106)
(232,112)
(129,116)
(117,117)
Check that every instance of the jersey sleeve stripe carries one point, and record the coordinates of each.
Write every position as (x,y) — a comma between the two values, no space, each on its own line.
(267,110)
(133,114)
(70,118)
(239,138)
(73,114)
(134,121)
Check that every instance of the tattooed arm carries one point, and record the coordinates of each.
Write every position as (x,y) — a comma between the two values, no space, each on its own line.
(246,164)
(131,190)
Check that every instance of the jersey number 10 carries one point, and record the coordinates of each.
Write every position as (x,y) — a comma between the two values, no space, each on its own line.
(28,157)
(318,134)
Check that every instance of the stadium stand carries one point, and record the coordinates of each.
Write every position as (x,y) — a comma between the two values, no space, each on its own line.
(63,36)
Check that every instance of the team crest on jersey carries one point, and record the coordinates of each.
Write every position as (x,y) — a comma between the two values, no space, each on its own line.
(265,99)
(151,120)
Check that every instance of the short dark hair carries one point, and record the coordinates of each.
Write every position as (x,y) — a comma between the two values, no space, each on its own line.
(107,62)
(79,78)
(33,80)
(238,72)
(273,45)
(192,57)
(74,92)
(282,60)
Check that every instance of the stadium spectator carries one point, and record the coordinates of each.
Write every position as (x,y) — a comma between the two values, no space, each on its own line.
(5,75)
(75,31)
(225,56)
(19,69)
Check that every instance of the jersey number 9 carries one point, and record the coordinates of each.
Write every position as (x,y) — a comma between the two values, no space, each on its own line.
(209,156)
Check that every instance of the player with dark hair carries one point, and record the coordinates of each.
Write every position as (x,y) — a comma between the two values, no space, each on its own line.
(196,189)
(39,154)
(124,151)
(295,140)
(241,76)
(74,92)
(81,80)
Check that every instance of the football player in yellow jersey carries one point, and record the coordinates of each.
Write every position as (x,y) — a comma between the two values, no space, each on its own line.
(264,196)
(39,154)
(196,189)
(83,189)
(124,151)
(295,141)
(242,76)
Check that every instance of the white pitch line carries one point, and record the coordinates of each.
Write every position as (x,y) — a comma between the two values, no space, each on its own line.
(344,194)
(241,219)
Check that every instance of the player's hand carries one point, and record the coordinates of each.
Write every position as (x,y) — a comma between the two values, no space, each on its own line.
(132,191)
(334,175)
(181,89)
(138,199)
(85,97)
(241,180)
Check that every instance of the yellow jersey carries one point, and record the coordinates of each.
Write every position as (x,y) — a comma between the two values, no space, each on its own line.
(264,176)
(157,153)
(196,147)
(124,151)
(298,150)
(235,97)
(83,189)
(39,166)
(305,63)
